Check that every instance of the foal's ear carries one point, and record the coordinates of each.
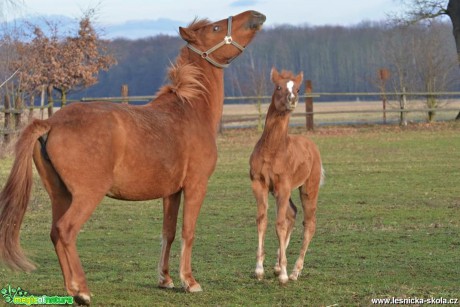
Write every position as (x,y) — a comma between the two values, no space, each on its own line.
(187,35)
(299,78)
(274,75)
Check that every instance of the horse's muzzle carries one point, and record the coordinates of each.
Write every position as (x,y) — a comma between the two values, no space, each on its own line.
(257,20)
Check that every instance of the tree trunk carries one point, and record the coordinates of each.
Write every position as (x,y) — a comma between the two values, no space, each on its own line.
(50,100)
(453,10)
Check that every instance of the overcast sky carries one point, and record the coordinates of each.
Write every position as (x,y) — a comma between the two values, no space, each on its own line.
(294,12)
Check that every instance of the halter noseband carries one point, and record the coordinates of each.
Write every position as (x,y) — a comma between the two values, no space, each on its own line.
(227,41)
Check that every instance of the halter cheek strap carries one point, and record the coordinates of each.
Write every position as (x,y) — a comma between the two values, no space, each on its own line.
(228,40)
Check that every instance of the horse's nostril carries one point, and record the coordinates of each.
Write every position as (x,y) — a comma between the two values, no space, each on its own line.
(259,16)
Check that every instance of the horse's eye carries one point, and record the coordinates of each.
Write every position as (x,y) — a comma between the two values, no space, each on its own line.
(216,28)
(278,88)
(298,90)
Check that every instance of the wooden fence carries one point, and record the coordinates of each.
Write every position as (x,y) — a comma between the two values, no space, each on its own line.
(13,112)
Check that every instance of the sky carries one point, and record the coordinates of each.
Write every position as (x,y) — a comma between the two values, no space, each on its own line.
(292,12)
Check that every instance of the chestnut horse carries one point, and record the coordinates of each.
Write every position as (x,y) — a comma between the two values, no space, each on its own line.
(90,150)
(279,164)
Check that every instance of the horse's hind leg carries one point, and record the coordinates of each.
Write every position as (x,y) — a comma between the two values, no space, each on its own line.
(171,206)
(60,202)
(68,227)
(309,196)
(290,220)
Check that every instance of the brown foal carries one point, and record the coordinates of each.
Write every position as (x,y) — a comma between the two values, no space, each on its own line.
(280,163)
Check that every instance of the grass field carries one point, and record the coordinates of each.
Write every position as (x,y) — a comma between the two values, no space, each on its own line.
(388,226)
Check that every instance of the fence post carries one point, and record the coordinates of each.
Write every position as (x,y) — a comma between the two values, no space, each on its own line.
(7,124)
(124,93)
(18,106)
(402,104)
(309,105)
(384,75)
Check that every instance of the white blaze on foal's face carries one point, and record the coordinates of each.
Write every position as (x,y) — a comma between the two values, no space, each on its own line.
(290,86)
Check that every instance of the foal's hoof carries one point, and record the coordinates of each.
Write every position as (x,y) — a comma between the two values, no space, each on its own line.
(194,288)
(283,279)
(259,274)
(166,285)
(82,299)
(277,270)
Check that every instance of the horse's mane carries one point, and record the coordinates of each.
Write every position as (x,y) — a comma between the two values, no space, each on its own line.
(186,82)
(186,78)
(198,23)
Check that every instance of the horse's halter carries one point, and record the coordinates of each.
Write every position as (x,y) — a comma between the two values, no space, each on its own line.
(227,41)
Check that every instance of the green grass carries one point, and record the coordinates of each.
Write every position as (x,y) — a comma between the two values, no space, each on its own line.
(388,226)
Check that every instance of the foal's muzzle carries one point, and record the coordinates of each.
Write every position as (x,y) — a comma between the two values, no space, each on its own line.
(291,101)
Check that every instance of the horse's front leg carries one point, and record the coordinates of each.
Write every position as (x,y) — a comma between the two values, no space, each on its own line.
(171,206)
(261,194)
(282,195)
(194,194)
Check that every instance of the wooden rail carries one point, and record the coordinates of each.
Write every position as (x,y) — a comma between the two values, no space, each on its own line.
(13,111)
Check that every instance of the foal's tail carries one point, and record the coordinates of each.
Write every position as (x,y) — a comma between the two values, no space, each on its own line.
(15,196)
(322,179)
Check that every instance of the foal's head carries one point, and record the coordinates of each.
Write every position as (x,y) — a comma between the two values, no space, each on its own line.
(287,86)
(222,41)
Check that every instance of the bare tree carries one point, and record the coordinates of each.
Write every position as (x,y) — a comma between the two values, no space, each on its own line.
(62,63)
(426,10)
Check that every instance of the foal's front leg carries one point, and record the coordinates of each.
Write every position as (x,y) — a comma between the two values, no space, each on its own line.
(261,195)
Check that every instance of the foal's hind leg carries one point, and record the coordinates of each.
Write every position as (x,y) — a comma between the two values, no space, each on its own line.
(290,220)
(171,206)
(282,202)
(261,195)
(309,196)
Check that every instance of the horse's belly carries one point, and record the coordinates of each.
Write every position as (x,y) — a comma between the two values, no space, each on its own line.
(145,183)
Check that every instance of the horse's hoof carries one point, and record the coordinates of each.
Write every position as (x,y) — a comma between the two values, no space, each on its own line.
(195,288)
(82,299)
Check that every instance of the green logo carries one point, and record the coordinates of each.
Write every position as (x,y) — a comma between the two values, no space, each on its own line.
(18,296)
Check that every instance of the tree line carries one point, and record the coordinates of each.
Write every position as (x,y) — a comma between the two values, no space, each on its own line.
(335,58)
(417,57)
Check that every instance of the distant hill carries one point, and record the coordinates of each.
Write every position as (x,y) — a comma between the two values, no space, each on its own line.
(133,29)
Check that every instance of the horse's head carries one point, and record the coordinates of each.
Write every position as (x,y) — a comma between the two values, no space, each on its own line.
(222,41)
(287,86)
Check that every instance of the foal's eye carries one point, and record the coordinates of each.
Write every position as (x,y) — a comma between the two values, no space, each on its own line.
(216,28)
(298,90)
(278,88)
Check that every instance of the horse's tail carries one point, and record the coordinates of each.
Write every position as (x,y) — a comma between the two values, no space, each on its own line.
(15,196)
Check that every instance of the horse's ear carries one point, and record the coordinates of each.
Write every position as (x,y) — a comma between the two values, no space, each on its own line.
(274,75)
(187,34)
(299,78)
